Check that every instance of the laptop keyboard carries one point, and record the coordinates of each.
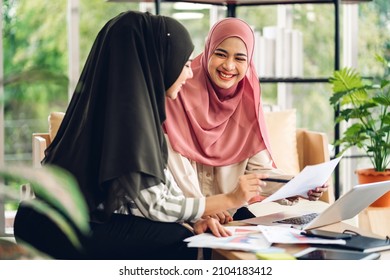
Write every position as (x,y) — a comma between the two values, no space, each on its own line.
(300,220)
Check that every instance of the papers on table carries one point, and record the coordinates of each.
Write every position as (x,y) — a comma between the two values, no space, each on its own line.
(309,178)
(287,235)
(255,238)
(245,238)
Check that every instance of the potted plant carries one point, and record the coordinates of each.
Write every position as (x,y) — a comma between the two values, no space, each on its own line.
(364,105)
(59,199)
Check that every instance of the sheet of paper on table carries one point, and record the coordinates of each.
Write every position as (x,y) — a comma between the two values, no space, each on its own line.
(244,238)
(255,238)
(288,235)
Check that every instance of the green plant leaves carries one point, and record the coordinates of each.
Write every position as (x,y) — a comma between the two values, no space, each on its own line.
(348,87)
(59,196)
(365,109)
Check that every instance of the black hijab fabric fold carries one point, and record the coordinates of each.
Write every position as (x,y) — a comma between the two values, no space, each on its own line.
(112,127)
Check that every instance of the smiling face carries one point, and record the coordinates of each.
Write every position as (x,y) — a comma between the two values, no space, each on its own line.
(185,74)
(228,63)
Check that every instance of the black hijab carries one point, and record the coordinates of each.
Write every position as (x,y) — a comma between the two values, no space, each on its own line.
(112,127)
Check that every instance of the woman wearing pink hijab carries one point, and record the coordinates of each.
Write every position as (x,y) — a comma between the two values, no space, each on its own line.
(216,129)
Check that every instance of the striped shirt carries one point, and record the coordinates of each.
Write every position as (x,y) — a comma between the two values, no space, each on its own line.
(167,203)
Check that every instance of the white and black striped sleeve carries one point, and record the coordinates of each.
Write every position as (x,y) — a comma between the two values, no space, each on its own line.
(167,203)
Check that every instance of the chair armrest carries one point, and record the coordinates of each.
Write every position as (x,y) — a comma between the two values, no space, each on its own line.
(313,149)
(40,141)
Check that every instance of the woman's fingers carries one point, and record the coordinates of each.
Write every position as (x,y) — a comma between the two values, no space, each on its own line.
(255,183)
(228,217)
(316,193)
(217,229)
(249,186)
(212,225)
(223,217)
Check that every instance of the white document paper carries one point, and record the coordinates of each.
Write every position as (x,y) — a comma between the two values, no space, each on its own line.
(309,178)
(244,238)
(287,235)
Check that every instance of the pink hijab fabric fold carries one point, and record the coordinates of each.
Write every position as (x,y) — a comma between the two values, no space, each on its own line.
(215,126)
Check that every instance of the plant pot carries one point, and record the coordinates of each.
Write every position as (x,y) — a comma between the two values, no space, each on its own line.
(369,175)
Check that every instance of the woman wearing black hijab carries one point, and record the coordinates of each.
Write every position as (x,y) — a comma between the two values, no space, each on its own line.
(111,140)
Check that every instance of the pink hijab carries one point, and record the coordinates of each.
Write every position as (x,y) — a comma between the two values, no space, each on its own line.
(215,126)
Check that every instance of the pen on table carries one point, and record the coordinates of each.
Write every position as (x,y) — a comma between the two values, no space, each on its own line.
(278,180)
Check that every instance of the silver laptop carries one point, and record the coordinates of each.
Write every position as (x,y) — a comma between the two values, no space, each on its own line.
(344,208)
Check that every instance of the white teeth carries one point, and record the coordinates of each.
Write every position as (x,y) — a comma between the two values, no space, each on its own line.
(226,76)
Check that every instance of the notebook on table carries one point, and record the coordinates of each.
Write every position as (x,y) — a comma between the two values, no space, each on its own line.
(344,208)
(365,244)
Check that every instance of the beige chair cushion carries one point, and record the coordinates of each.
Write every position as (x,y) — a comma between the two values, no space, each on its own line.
(283,139)
(55,119)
